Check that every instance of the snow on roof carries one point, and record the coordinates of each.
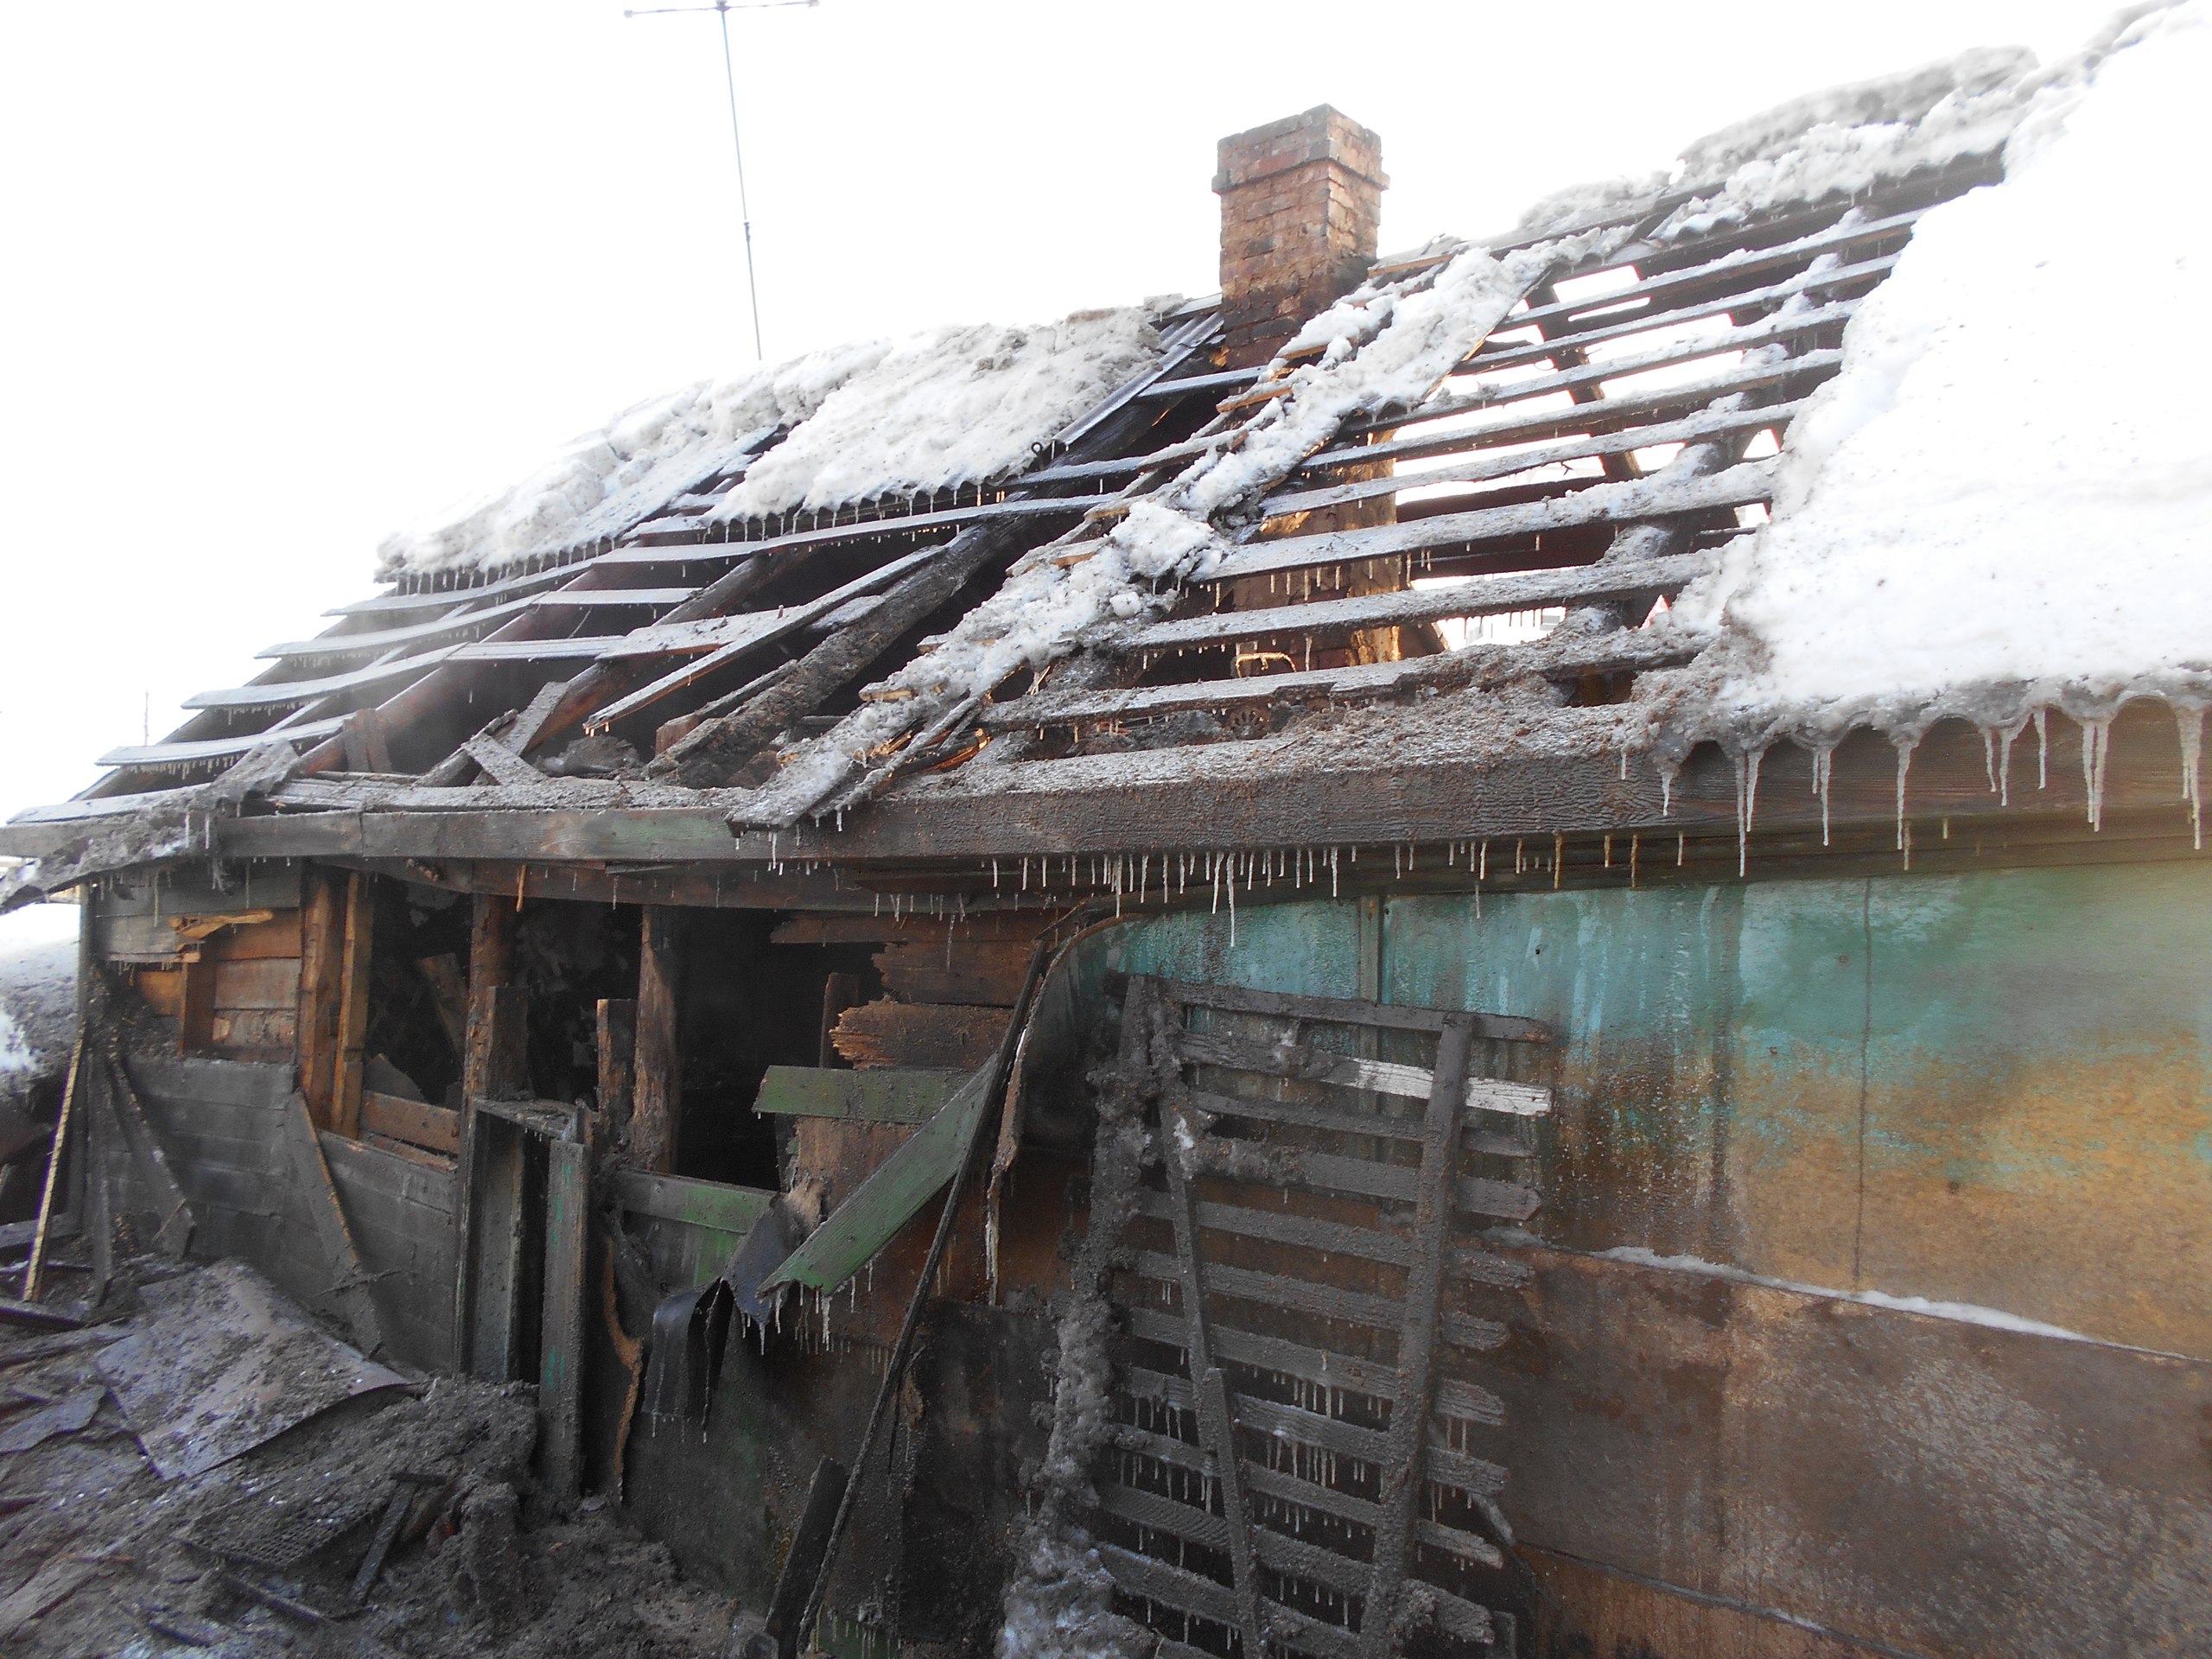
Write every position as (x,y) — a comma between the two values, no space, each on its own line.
(877,417)
(608,478)
(952,406)
(2005,499)
(1840,141)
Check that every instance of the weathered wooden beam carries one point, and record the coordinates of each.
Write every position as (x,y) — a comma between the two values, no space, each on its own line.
(658,1086)
(437,1128)
(561,1330)
(616,1030)
(883,1095)
(1476,596)
(1618,503)
(352,1026)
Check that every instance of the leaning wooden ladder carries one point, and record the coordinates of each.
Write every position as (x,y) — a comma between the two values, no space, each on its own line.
(1291,1453)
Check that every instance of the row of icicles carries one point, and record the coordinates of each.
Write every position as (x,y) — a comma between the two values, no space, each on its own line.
(1134,877)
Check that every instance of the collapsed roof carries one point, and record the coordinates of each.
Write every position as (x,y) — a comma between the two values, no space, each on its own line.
(1777,446)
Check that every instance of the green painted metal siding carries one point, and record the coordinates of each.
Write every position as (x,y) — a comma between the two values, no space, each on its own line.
(1990,1088)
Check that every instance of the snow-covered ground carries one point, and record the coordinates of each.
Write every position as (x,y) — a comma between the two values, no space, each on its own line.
(38,1005)
(2003,501)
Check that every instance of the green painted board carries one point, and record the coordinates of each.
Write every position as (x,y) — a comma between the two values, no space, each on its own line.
(850,1235)
(884,1095)
(713,1204)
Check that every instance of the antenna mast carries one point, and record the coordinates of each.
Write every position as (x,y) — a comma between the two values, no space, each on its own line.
(722,9)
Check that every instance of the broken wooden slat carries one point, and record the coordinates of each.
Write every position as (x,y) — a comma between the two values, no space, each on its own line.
(57,1149)
(978,973)
(414,1121)
(311,1172)
(849,1237)
(501,764)
(616,1049)
(881,1094)
(940,1035)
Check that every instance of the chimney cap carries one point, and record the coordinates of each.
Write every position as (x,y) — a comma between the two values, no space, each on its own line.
(1323,133)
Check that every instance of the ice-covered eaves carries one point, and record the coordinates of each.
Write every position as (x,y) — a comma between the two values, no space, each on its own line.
(2003,502)
(952,406)
(620,474)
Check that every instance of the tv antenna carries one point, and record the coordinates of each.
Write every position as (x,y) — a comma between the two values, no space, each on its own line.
(722,9)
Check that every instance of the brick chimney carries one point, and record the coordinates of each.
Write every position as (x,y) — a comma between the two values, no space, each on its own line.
(1301,199)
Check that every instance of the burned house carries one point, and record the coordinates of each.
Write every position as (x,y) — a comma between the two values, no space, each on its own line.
(1312,970)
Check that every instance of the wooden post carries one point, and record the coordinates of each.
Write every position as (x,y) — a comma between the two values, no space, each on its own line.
(660,1076)
(34,1266)
(618,1059)
(323,938)
(352,1006)
(561,1330)
(491,965)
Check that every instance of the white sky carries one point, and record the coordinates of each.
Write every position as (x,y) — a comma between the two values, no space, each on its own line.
(280,278)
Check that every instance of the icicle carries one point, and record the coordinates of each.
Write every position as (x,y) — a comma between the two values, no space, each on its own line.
(1332,872)
(2096,744)
(1397,861)
(1559,860)
(1482,872)
(1668,771)
(2042,748)
(1823,769)
(1232,910)
(1747,803)
(1634,846)
(1681,849)
(994,875)
(2190,720)
(1905,745)
(1518,864)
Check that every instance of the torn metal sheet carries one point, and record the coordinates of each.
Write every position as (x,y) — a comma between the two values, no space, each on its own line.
(219,1363)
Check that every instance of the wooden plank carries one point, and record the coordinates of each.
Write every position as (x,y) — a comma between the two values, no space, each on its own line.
(561,1339)
(1349,1011)
(714,1204)
(658,1097)
(502,764)
(852,1234)
(1599,504)
(322,977)
(940,1035)
(1488,465)
(273,695)
(487,1064)
(1301,1063)
(188,751)
(980,973)
(56,1158)
(616,1028)
(352,1004)
(416,1123)
(460,623)
(1473,596)
(1401,1468)
(265,982)
(1634,408)
(348,1279)
(884,1095)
